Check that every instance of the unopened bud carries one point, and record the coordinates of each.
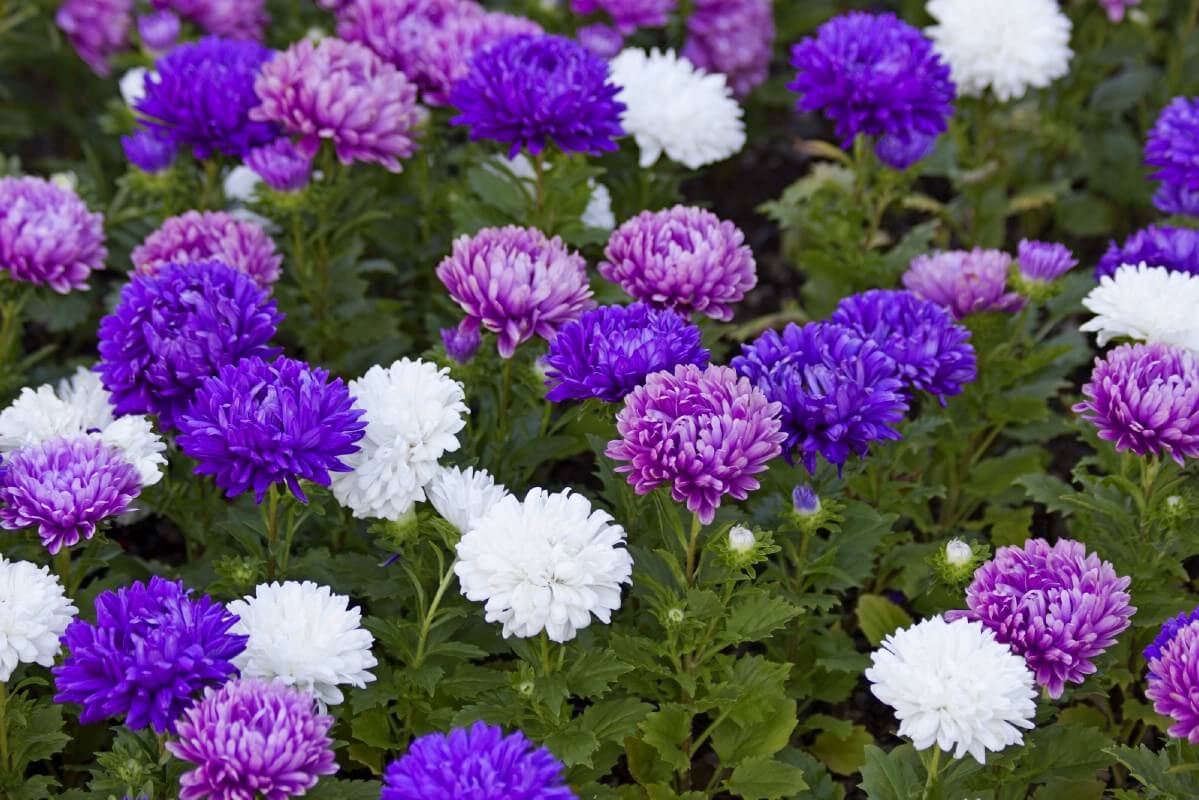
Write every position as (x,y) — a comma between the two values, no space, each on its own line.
(741,539)
(958,553)
(805,500)
(675,615)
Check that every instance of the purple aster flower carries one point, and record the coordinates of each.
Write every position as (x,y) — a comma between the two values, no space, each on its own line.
(66,487)
(478,762)
(1169,630)
(804,500)
(516,283)
(1171,198)
(839,392)
(148,151)
(47,235)
(603,40)
(965,282)
(1044,262)
(236,19)
(931,352)
(253,738)
(159,30)
(902,149)
(531,90)
(1057,606)
(151,650)
(1145,398)
(200,95)
(461,342)
(610,351)
(682,258)
(258,422)
(281,165)
(1173,145)
(342,92)
(172,330)
(1173,683)
(628,15)
(733,37)
(210,236)
(706,432)
(1115,8)
(1176,249)
(449,50)
(97,29)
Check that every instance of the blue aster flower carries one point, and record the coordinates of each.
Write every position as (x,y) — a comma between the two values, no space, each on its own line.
(1173,148)
(1176,249)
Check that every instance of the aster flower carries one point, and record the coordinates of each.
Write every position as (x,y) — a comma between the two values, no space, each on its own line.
(1176,249)
(1145,398)
(342,92)
(663,95)
(1056,605)
(1173,684)
(873,74)
(1173,150)
(528,91)
(200,96)
(152,648)
(1149,304)
(1043,261)
(280,165)
(210,236)
(1171,198)
(413,413)
(47,235)
(172,330)
(931,353)
(611,350)
(148,151)
(257,423)
(628,15)
(1007,46)
(732,37)
(546,563)
(303,635)
(839,392)
(965,282)
(603,40)
(97,29)
(1169,630)
(706,432)
(954,686)
(237,19)
(903,149)
(463,496)
(253,737)
(461,343)
(159,30)
(515,282)
(1115,8)
(36,612)
(683,258)
(467,761)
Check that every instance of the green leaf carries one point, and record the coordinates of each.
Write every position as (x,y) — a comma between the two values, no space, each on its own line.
(758,614)
(763,778)
(613,720)
(890,776)
(843,755)
(878,617)
(734,743)
(594,672)
(333,789)
(665,730)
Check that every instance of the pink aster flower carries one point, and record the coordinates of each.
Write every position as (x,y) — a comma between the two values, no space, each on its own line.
(965,282)
(235,19)
(1173,683)
(628,15)
(47,235)
(97,29)
(208,235)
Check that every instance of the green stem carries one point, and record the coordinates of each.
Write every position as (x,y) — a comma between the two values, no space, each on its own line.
(693,548)
(270,522)
(62,563)
(547,661)
(3,728)
(931,786)
(427,623)
(505,400)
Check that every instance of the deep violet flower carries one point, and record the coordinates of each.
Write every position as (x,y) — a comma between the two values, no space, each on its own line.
(461,343)
(149,151)
(964,281)
(1176,249)
(47,235)
(1173,148)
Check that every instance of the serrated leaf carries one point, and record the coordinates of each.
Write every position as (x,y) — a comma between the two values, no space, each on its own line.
(890,776)
(613,720)
(593,673)
(763,778)
(757,615)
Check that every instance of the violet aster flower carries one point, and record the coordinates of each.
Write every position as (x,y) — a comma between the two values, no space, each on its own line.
(732,37)
(903,149)
(610,351)
(1115,8)
(1173,145)
(682,258)
(342,92)
(839,392)
(210,236)
(1058,606)
(805,501)
(47,235)
(516,283)
(449,50)
(461,342)
(476,762)
(931,352)
(1174,199)
(1173,683)
(200,95)
(529,91)
(281,165)
(965,282)
(158,30)
(97,29)
(706,432)
(873,74)
(628,15)
(1169,630)
(236,19)
(603,40)
(151,650)
(1176,249)
(66,487)
(1043,261)
(172,330)
(258,422)
(1145,398)
(149,151)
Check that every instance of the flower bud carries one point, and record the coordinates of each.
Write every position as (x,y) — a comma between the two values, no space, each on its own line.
(958,553)
(741,539)
(461,345)
(805,500)
(675,616)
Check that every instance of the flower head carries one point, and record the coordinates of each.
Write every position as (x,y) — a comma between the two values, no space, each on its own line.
(461,342)
(1056,605)
(601,39)
(281,165)
(47,235)
(149,151)
(805,501)
(478,762)
(1043,261)
(1169,630)
(515,282)
(965,282)
(610,351)
(628,15)
(532,90)
(463,496)
(1150,304)
(1173,684)
(97,29)
(1115,8)
(683,258)
(159,30)
(152,648)
(1174,150)
(706,432)
(546,563)
(252,737)
(36,612)
(954,686)
(732,37)
(903,149)
(237,19)
(1176,249)
(210,236)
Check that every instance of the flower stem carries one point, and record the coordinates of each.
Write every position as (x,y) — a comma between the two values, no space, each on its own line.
(505,400)
(431,614)
(270,522)
(3,728)
(693,548)
(62,563)
(547,662)
(931,786)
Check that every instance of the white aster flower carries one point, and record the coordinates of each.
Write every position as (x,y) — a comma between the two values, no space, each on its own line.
(34,612)
(133,85)
(241,185)
(548,563)
(953,685)
(1005,45)
(673,107)
(1149,304)
(413,413)
(464,496)
(598,213)
(303,635)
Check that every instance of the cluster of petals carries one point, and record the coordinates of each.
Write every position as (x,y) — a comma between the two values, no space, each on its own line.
(464,496)
(47,235)
(37,611)
(211,235)
(1173,685)
(1173,150)
(1175,249)
(732,37)
(1148,304)
(97,29)
(964,281)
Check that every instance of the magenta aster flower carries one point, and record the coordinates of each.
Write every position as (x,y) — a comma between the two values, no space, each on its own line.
(97,29)
(236,19)
(342,92)
(210,236)
(682,258)
(733,37)
(159,30)
(706,432)
(628,15)
(47,235)
(1173,684)
(516,283)
(1056,605)
(1044,261)
(1116,8)
(281,165)
(965,282)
